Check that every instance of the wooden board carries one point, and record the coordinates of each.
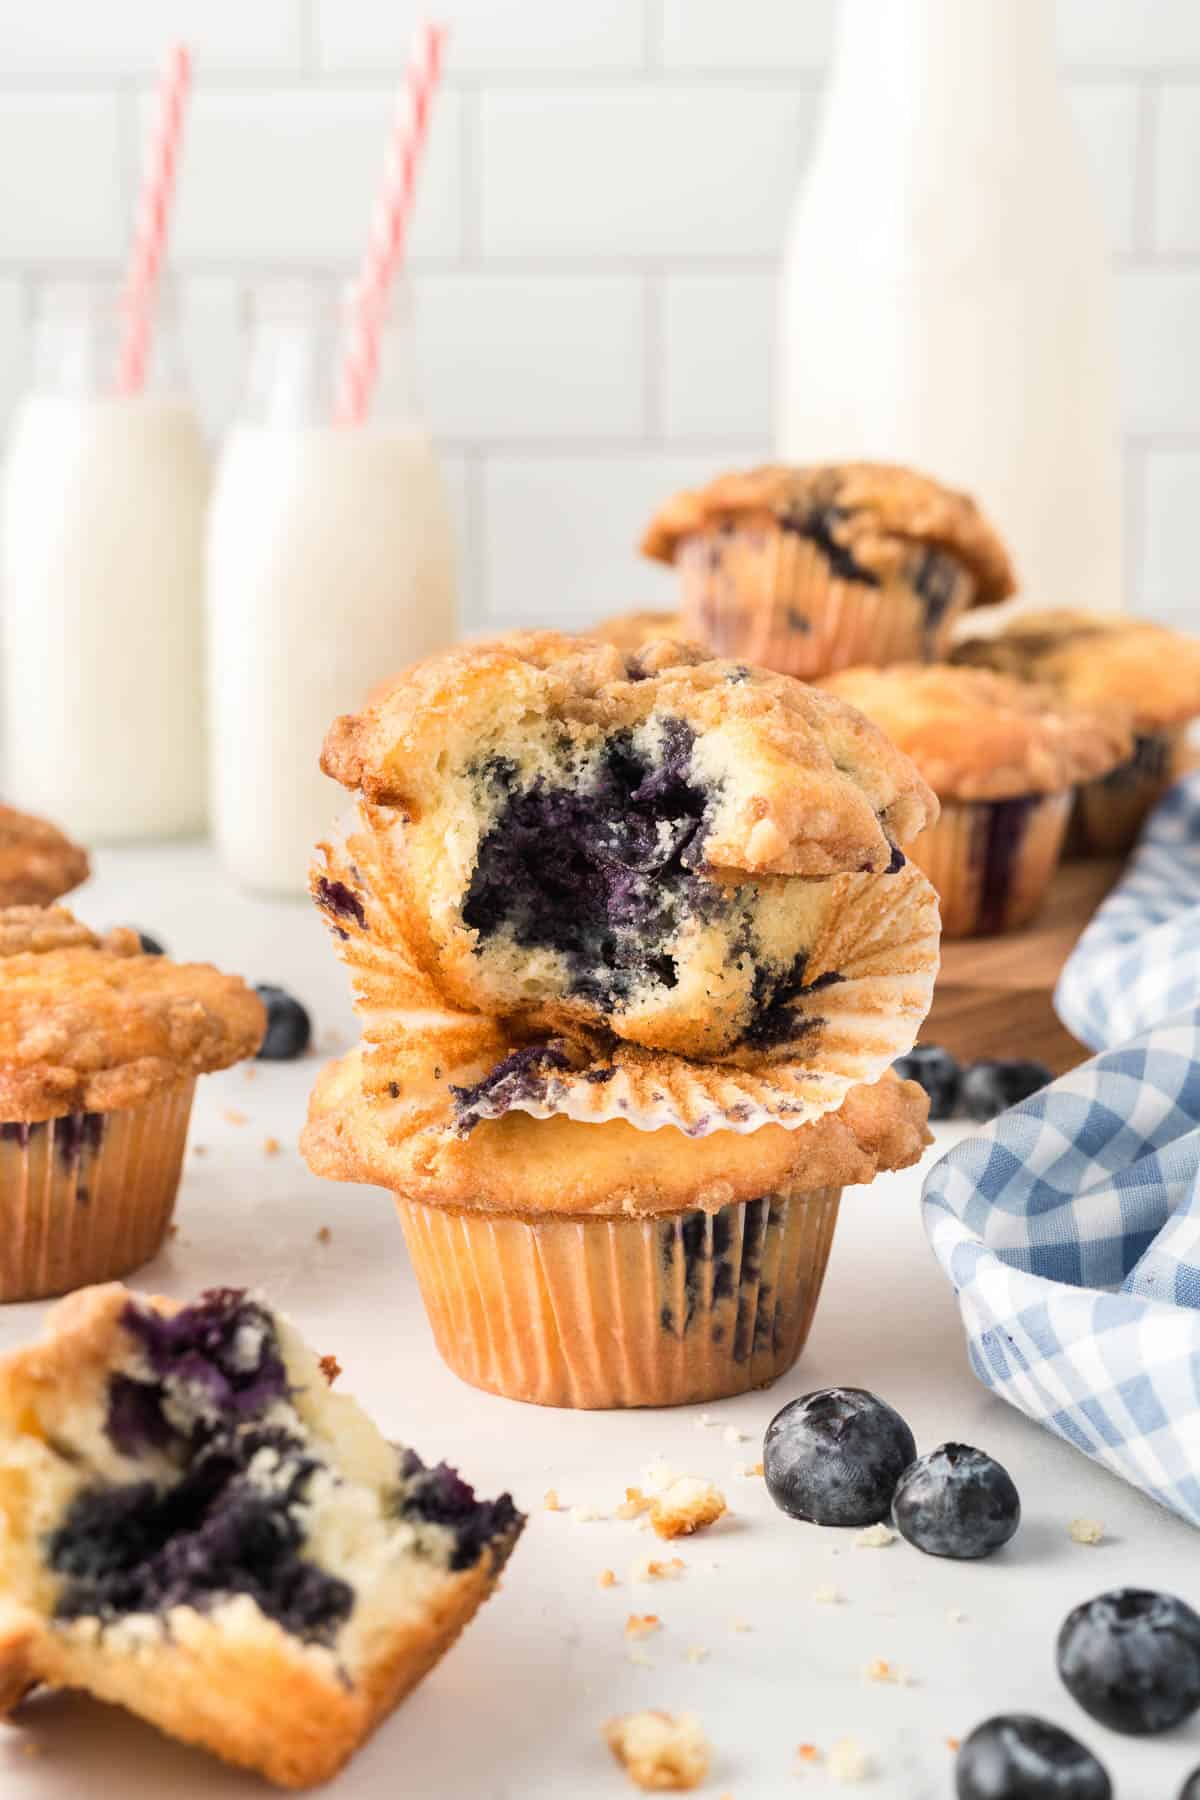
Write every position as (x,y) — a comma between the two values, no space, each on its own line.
(993,995)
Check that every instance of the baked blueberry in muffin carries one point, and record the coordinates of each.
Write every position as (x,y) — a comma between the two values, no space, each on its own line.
(650,844)
(194,1526)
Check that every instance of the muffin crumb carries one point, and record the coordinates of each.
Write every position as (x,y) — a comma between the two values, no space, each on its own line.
(696,1653)
(875,1537)
(732,1435)
(1086,1531)
(687,1505)
(651,1568)
(881,1671)
(324,1235)
(634,1504)
(271,1146)
(640,1625)
(606,1578)
(586,1515)
(848,1761)
(199,1149)
(828,1596)
(330,1368)
(233,1115)
(740,1625)
(550,1501)
(659,1751)
(954,1745)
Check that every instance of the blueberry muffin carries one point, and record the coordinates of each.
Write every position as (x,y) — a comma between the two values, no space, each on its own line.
(1106,662)
(100,1047)
(38,862)
(815,569)
(598,1265)
(194,1527)
(1003,757)
(649,845)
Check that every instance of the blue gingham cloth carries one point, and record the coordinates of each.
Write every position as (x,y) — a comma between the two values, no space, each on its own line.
(1070,1226)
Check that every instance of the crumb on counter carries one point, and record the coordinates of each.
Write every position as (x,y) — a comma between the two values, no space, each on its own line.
(234,1116)
(330,1368)
(732,1435)
(696,1653)
(740,1625)
(955,1616)
(875,1537)
(748,1471)
(586,1515)
(659,1751)
(640,1625)
(550,1501)
(271,1146)
(881,1671)
(634,1504)
(807,1753)
(828,1596)
(659,1475)
(954,1744)
(848,1761)
(324,1235)
(606,1578)
(687,1505)
(653,1568)
(1086,1531)
(199,1149)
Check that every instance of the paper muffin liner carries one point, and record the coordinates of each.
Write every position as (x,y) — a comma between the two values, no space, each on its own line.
(868,984)
(1110,812)
(88,1197)
(992,861)
(592,1313)
(769,596)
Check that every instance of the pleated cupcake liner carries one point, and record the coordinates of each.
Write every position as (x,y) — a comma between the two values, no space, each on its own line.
(869,983)
(597,1313)
(1110,812)
(770,597)
(992,861)
(88,1197)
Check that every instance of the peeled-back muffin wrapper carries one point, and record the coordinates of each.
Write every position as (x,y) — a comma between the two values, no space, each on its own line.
(876,945)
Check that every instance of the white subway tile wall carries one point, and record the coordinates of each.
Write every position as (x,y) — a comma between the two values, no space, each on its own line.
(593,262)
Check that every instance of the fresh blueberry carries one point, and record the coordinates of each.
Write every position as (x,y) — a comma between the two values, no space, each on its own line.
(990,1088)
(150,945)
(1191,1787)
(1132,1660)
(956,1502)
(289,1028)
(937,1072)
(834,1457)
(1018,1757)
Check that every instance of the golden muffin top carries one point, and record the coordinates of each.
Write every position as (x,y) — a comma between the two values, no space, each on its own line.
(521,1164)
(875,512)
(976,735)
(91,1024)
(1096,659)
(802,784)
(38,862)
(634,630)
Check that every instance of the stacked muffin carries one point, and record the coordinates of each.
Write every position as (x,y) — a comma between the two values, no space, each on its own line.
(633,946)
(1004,758)
(807,570)
(1125,668)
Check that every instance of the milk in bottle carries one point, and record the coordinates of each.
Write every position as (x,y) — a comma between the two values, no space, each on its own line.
(103,502)
(330,566)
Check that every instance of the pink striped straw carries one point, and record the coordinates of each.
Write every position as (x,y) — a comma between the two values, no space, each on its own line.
(389,226)
(154,216)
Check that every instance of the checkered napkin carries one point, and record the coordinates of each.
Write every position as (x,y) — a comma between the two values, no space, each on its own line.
(1070,1227)
(1139,959)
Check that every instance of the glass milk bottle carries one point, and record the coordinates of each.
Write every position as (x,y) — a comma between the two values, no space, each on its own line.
(946,299)
(103,501)
(330,566)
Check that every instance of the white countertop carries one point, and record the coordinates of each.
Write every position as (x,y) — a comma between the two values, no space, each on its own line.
(513,1712)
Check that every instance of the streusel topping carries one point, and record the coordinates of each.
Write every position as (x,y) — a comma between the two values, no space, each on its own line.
(873,513)
(89,1024)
